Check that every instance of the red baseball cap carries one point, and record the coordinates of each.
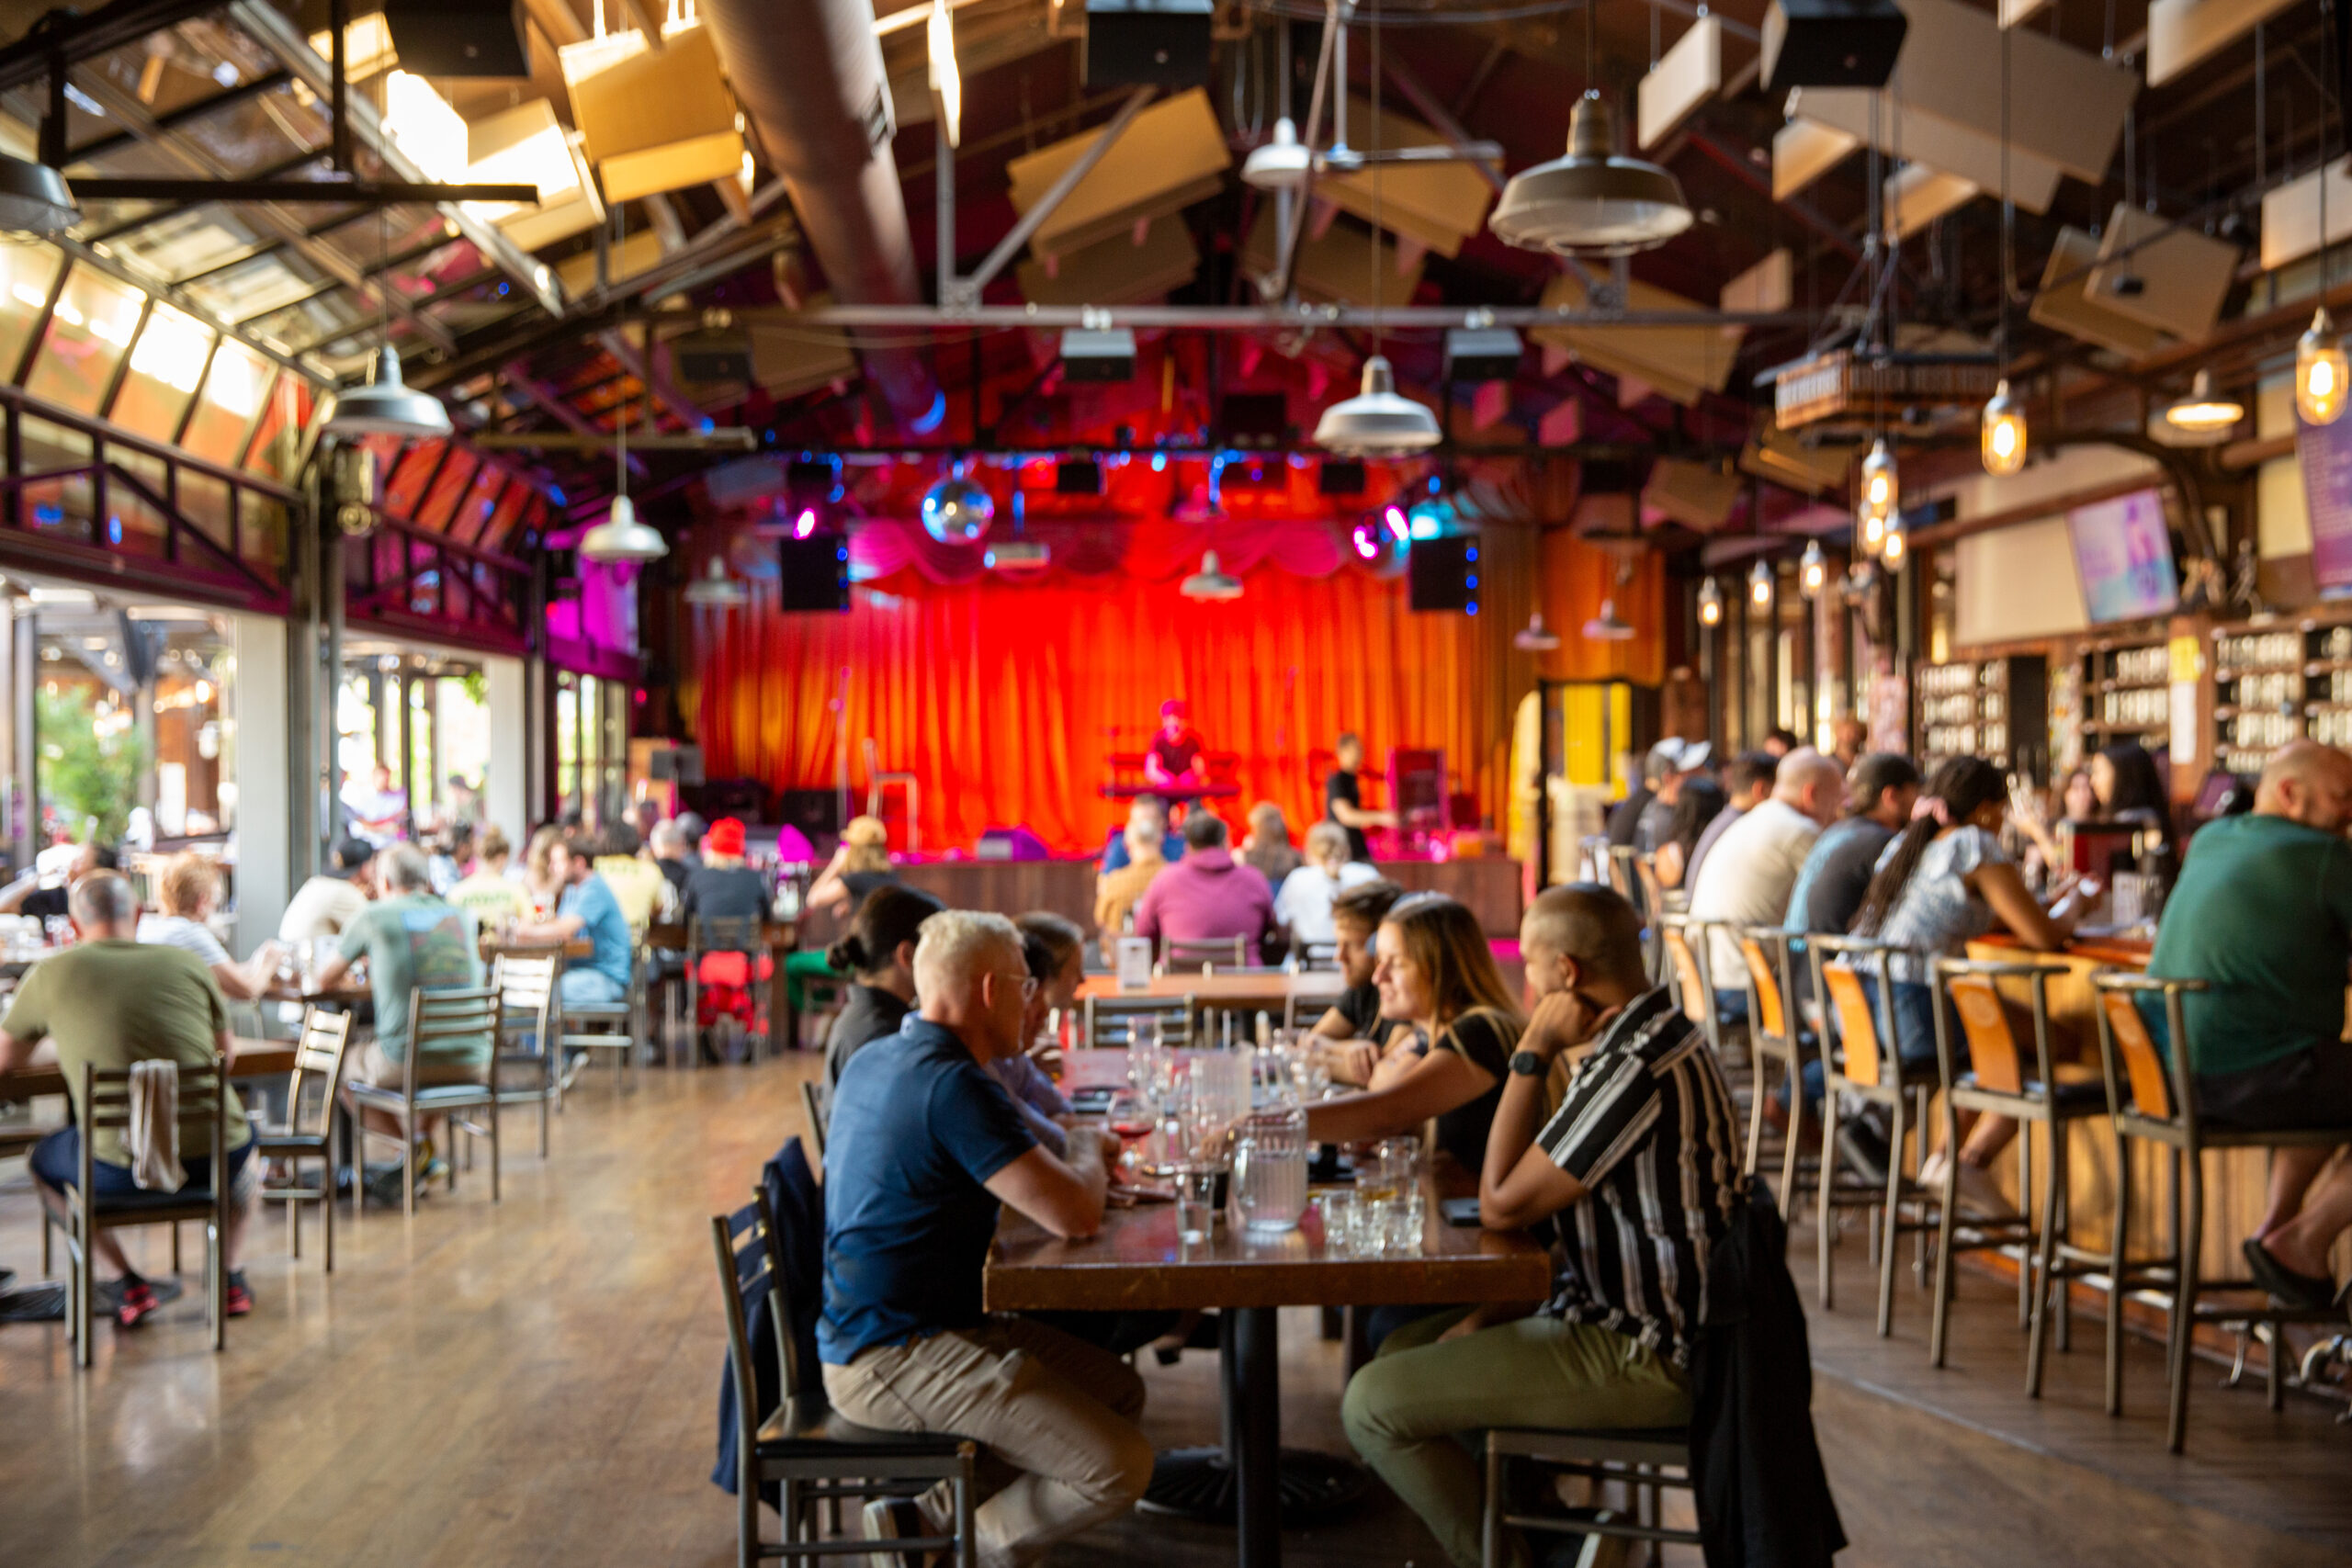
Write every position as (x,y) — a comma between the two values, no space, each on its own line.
(725,838)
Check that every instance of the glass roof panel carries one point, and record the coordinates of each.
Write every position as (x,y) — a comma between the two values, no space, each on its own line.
(259,131)
(94,322)
(166,364)
(189,240)
(183,65)
(365,239)
(304,325)
(251,288)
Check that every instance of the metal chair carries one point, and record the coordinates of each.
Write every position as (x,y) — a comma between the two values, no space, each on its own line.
(526,984)
(1178,954)
(2001,1083)
(1115,1022)
(878,780)
(450,1017)
(1773,1037)
(747,936)
(1638,1459)
(618,1027)
(309,1131)
(1855,1062)
(2154,1096)
(1684,941)
(105,1107)
(818,1101)
(1314,956)
(812,1452)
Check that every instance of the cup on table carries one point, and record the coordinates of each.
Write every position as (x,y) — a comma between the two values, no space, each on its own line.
(1195,1203)
(1342,1220)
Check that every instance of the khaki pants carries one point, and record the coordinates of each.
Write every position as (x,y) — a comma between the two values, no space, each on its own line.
(1404,1411)
(1054,1415)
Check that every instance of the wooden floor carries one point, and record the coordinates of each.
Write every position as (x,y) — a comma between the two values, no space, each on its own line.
(534,1383)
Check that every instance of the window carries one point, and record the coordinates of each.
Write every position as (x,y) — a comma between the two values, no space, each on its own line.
(59,507)
(279,441)
(233,394)
(167,366)
(135,525)
(27,273)
(92,325)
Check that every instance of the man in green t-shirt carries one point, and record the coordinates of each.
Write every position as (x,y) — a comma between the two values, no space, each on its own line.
(109,1001)
(2263,915)
(413,939)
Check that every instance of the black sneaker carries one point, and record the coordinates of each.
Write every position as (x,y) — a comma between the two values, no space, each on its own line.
(897,1518)
(1865,1149)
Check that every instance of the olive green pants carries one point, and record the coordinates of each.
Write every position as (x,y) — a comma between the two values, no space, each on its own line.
(1406,1412)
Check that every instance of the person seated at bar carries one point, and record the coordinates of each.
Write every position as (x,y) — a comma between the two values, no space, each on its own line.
(586,907)
(860,864)
(726,889)
(1267,845)
(540,880)
(2263,915)
(1697,810)
(1639,1168)
(1881,790)
(188,890)
(925,1146)
(668,844)
(1749,871)
(26,896)
(878,955)
(1056,955)
(490,894)
(636,885)
(1848,737)
(329,901)
(1359,1037)
(1303,899)
(1173,761)
(1343,797)
(2130,792)
(1208,896)
(413,938)
(1671,763)
(1942,881)
(109,1001)
(692,827)
(1435,970)
(1117,893)
(1747,784)
(1780,741)
(1147,814)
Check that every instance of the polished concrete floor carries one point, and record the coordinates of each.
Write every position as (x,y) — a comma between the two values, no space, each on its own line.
(534,1382)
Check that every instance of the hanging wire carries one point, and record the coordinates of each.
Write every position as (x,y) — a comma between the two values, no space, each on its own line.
(2009,210)
(1378,282)
(620,423)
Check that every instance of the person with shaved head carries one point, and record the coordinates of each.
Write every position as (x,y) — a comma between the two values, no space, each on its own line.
(1749,872)
(2263,915)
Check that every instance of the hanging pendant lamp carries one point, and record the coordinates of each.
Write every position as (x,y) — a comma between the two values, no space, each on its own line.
(385,405)
(35,199)
(2320,366)
(620,539)
(1377,421)
(1591,202)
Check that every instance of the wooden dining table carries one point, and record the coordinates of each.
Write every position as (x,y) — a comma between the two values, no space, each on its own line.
(1239,993)
(254,1059)
(1136,1262)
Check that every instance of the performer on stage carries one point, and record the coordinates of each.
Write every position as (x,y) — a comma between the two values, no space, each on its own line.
(1343,798)
(1174,760)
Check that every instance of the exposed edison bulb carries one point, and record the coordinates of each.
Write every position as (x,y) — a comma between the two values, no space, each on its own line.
(1881,492)
(1813,572)
(2003,434)
(2320,372)
(1759,585)
(1711,603)
(1894,550)
(1871,532)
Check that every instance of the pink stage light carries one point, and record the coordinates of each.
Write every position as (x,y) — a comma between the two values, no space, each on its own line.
(1398,524)
(1367,541)
(806,524)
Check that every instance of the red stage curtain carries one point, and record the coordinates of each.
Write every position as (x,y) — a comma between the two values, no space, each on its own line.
(1004,697)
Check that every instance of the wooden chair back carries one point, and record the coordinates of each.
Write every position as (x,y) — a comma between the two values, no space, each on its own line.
(725,933)
(105,1107)
(1653,890)
(1857,1030)
(1176,955)
(445,1019)
(318,1072)
(1691,989)
(526,984)
(1116,1021)
(2144,1066)
(817,1099)
(746,1243)
(1771,1016)
(1992,1045)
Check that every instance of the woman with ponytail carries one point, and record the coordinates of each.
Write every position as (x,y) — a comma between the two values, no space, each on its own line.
(878,955)
(1942,881)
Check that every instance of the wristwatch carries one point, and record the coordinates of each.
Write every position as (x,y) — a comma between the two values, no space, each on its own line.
(1528,1065)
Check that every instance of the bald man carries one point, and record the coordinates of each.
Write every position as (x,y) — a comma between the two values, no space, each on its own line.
(2263,915)
(1752,869)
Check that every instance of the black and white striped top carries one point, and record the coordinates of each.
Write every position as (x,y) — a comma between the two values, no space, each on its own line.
(1647,1126)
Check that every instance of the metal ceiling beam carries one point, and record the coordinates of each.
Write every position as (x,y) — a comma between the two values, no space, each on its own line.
(548,400)
(171,119)
(615,341)
(78,38)
(359,193)
(1250,318)
(964,291)
(726,438)
(282,39)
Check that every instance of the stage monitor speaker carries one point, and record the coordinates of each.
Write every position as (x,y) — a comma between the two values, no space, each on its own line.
(1341,476)
(1148,43)
(458,38)
(1009,843)
(1077,476)
(1831,43)
(741,798)
(817,813)
(1255,419)
(712,356)
(1442,573)
(813,573)
(681,765)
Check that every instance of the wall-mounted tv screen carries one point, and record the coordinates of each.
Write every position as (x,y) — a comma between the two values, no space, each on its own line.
(2124,556)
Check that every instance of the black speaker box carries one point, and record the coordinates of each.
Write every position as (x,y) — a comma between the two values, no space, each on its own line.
(1442,573)
(458,38)
(816,812)
(1830,43)
(813,573)
(709,357)
(1341,476)
(1148,43)
(1255,419)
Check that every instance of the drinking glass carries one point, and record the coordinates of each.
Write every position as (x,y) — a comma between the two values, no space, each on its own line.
(1195,1203)
(1342,1211)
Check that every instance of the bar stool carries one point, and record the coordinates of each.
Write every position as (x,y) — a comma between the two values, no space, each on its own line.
(1999,1084)
(1694,992)
(1853,1061)
(2152,1095)
(1774,1036)
(878,780)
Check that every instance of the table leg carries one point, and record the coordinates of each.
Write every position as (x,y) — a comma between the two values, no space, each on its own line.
(1253,1383)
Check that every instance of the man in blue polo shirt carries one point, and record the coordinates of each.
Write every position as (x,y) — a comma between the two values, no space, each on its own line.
(587,908)
(925,1147)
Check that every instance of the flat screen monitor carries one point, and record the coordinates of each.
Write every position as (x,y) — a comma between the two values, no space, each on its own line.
(2124,556)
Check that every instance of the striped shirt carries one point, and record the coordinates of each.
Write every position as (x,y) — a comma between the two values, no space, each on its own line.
(1647,1127)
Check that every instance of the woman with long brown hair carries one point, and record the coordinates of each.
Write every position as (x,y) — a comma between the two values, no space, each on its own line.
(1435,970)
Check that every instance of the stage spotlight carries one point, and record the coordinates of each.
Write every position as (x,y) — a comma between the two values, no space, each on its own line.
(1367,540)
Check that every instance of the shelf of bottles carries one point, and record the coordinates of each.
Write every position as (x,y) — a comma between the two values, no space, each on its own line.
(2327,684)
(1993,708)
(2127,696)
(2259,693)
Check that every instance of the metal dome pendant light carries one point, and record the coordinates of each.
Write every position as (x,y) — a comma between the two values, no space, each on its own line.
(35,200)
(620,539)
(385,405)
(1592,202)
(1377,422)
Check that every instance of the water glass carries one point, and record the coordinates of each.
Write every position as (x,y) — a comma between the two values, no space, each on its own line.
(1400,1221)
(1342,1220)
(1195,1204)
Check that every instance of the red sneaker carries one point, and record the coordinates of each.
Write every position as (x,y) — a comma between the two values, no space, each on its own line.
(239,1299)
(138,1303)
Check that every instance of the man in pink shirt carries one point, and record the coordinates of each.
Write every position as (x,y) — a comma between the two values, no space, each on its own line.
(1208,896)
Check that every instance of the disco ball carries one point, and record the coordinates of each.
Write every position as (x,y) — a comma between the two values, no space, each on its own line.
(957,511)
